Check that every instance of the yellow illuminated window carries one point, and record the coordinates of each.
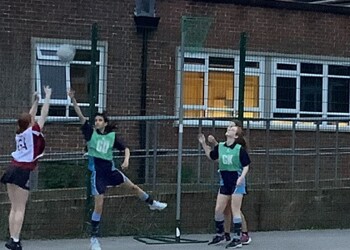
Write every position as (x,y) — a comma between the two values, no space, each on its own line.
(193,92)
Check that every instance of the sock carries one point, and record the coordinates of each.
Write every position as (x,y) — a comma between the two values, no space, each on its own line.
(15,239)
(237,226)
(149,199)
(227,235)
(219,225)
(95,222)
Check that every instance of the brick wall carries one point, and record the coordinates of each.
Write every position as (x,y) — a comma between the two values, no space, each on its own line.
(61,215)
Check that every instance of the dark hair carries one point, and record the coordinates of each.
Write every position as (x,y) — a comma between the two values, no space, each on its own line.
(103,115)
(240,133)
(238,123)
(23,122)
(110,126)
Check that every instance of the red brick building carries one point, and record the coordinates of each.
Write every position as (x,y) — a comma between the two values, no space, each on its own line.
(297,66)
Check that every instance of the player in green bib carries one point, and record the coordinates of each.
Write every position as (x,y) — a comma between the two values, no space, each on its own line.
(233,167)
(101,141)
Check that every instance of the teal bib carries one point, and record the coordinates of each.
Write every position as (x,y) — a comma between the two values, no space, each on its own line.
(101,146)
(229,158)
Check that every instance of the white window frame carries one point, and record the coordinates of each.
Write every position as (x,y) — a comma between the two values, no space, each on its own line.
(38,58)
(297,75)
(205,69)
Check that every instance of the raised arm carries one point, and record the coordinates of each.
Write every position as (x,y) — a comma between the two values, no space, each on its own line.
(34,107)
(207,149)
(76,107)
(45,108)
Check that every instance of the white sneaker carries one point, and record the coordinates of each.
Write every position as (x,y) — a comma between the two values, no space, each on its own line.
(156,205)
(94,244)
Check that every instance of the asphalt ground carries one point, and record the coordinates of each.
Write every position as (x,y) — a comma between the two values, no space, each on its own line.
(274,240)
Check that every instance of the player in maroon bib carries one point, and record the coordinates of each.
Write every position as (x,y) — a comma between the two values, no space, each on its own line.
(30,146)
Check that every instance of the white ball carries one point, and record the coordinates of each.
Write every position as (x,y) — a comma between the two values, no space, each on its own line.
(66,53)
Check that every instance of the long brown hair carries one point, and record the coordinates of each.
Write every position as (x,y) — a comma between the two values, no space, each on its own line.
(23,122)
(240,133)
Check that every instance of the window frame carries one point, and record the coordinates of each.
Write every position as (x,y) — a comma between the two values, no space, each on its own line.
(39,59)
(298,75)
(205,69)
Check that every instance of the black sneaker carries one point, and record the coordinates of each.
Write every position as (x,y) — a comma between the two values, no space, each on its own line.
(217,239)
(227,237)
(10,244)
(234,244)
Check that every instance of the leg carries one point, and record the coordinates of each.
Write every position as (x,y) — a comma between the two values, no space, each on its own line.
(221,203)
(18,198)
(96,215)
(95,222)
(245,238)
(142,195)
(236,202)
(244,223)
(228,221)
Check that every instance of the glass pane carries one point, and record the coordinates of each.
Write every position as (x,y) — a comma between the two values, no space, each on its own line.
(311,94)
(85,55)
(220,62)
(285,66)
(311,68)
(251,91)
(255,65)
(80,82)
(338,70)
(45,52)
(338,95)
(57,110)
(199,61)
(220,93)
(286,92)
(55,77)
(193,92)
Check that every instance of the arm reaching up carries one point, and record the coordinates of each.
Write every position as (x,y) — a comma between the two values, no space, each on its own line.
(45,109)
(201,139)
(34,107)
(77,109)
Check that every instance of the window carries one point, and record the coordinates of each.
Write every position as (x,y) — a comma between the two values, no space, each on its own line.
(49,70)
(281,87)
(310,89)
(211,86)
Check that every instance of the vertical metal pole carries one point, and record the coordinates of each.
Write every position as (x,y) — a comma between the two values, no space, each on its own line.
(143,96)
(336,177)
(155,147)
(199,159)
(93,83)
(93,100)
(242,54)
(317,160)
(267,162)
(180,137)
(293,154)
(147,153)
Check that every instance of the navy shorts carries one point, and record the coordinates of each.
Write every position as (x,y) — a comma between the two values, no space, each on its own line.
(228,181)
(104,174)
(16,175)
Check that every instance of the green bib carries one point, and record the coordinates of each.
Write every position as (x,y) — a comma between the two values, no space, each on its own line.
(229,158)
(101,146)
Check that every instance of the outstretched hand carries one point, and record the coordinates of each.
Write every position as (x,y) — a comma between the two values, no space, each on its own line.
(201,138)
(71,93)
(47,91)
(35,97)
